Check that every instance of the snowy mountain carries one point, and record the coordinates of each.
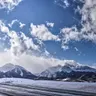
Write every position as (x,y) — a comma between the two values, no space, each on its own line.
(68,66)
(7,67)
(68,72)
(11,70)
(51,71)
(72,71)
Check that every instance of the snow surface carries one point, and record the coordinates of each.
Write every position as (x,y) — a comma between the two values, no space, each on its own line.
(81,86)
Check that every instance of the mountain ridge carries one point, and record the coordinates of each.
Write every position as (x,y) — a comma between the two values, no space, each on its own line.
(15,71)
(77,72)
(67,72)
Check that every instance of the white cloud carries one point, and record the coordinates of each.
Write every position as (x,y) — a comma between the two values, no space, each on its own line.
(64,46)
(33,63)
(3,28)
(21,25)
(42,33)
(76,49)
(50,24)
(69,34)
(19,43)
(13,21)
(88,22)
(5,57)
(62,3)
(9,4)
(66,3)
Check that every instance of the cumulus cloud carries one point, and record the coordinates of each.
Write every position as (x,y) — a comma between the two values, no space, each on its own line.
(19,43)
(50,24)
(69,34)
(42,32)
(9,4)
(88,22)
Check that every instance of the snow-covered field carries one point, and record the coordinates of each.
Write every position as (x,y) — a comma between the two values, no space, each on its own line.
(81,86)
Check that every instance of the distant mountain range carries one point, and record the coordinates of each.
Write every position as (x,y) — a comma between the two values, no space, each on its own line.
(67,72)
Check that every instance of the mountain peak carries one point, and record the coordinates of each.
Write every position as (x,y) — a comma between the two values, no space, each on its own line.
(10,66)
(11,70)
(71,63)
(7,67)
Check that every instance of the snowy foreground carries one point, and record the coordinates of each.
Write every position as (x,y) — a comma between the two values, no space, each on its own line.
(81,86)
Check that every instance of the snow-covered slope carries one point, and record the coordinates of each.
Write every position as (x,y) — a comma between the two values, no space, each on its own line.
(80,86)
(85,68)
(11,70)
(51,71)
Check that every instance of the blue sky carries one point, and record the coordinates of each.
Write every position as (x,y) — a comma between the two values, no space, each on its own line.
(62,14)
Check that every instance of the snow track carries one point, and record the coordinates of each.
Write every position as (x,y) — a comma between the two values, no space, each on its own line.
(20,90)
